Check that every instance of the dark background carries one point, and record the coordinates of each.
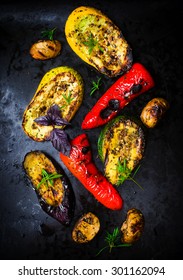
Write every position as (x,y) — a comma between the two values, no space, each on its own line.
(152,28)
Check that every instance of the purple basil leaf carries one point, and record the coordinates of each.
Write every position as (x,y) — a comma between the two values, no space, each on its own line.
(53,117)
(60,141)
(44,120)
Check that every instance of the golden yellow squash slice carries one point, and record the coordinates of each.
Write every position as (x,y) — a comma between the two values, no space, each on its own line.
(61,86)
(98,41)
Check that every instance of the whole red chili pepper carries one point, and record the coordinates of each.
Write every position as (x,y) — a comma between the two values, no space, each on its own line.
(130,85)
(81,165)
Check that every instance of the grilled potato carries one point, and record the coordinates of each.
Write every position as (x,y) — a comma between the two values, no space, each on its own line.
(98,41)
(121,146)
(86,228)
(62,86)
(54,190)
(153,112)
(133,226)
(45,49)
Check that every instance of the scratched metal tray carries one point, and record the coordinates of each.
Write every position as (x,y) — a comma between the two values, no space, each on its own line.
(26,232)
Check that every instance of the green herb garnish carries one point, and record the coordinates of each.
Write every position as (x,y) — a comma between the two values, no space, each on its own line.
(112,240)
(48,33)
(91,43)
(68,98)
(47,178)
(96,86)
(125,173)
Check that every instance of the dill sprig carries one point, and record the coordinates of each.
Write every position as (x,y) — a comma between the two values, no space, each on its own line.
(112,240)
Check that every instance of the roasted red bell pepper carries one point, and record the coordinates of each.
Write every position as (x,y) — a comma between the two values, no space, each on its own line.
(130,85)
(81,165)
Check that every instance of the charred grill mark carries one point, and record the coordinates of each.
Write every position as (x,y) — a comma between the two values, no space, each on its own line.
(85,150)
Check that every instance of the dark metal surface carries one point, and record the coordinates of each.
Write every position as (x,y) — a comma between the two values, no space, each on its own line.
(26,232)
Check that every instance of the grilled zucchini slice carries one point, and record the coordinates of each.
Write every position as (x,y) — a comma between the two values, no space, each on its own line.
(121,147)
(86,228)
(98,41)
(54,190)
(62,86)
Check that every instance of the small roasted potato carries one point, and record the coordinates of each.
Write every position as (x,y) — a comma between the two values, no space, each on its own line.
(86,228)
(153,112)
(45,49)
(133,226)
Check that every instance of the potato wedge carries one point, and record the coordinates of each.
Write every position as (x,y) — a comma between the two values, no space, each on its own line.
(86,228)
(133,226)
(54,190)
(98,41)
(62,86)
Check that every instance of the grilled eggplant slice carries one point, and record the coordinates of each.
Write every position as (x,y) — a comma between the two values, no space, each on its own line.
(62,86)
(86,228)
(153,112)
(45,49)
(98,41)
(121,146)
(133,226)
(53,190)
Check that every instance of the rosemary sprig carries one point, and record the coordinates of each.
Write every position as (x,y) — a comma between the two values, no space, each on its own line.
(68,98)
(125,173)
(47,178)
(96,85)
(91,43)
(112,240)
(48,33)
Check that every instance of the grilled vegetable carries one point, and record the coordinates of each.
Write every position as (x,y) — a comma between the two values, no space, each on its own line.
(98,41)
(129,86)
(80,164)
(153,112)
(133,226)
(45,49)
(52,187)
(86,228)
(121,143)
(61,86)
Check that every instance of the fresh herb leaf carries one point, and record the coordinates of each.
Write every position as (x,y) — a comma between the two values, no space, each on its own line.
(48,33)
(125,173)
(112,240)
(47,178)
(60,141)
(91,43)
(96,86)
(68,98)
(58,137)
(53,117)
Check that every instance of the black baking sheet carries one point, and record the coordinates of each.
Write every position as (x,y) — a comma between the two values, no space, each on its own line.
(152,28)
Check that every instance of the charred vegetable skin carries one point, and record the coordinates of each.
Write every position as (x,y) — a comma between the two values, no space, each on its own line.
(98,41)
(86,228)
(122,141)
(153,112)
(57,200)
(135,82)
(133,226)
(83,168)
